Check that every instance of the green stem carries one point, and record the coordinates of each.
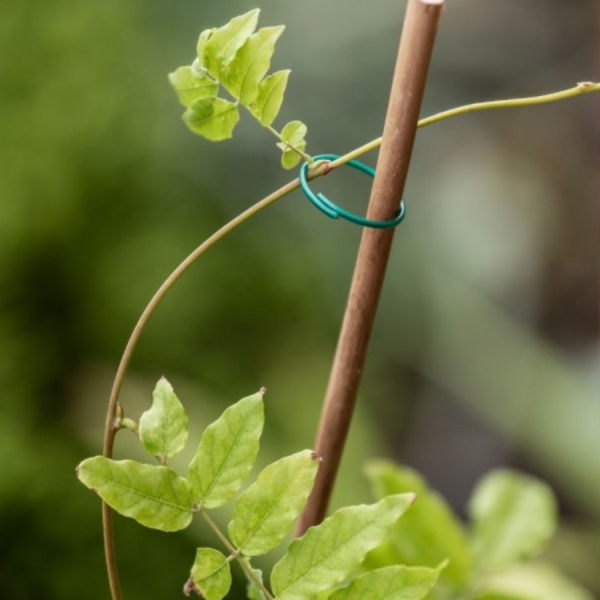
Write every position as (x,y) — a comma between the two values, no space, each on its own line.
(578,90)
(110,429)
(236,554)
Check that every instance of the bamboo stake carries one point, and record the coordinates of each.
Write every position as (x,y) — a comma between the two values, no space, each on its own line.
(408,86)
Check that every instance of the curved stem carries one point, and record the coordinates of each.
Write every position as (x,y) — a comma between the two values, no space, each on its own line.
(111,427)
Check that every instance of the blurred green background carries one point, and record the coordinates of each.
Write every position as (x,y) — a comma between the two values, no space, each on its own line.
(485,350)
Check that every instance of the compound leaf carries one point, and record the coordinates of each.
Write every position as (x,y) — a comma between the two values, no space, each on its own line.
(514,515)
(329,552)
(390,583)
(227,452)
(265,512)
(429,532)
(212,118)
(251,64)
(223,44)
(210,576)
(270,97)
(152,495)
(164,427)
(192,84)
(292,134)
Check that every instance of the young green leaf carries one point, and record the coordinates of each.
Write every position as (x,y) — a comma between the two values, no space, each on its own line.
(164,428)
(265,512)
(531,581)
(210,576)
(390,583)
(253,592)
(292,134)
(514,515)
(329,552)
(270,97)
(201,46)
(251,64)
(220,49)
(227,452)
(212,118)
(154,496)
(429,532)
(191,84)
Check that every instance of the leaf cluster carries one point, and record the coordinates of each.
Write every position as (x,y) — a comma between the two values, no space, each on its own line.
(236,58)
(512,517)
(323,563)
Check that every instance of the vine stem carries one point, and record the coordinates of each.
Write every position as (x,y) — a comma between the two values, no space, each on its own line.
(235,553)
(112,425)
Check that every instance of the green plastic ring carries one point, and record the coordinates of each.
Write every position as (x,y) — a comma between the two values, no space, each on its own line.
(332,210)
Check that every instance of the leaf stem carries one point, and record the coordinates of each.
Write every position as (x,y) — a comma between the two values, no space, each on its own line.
(236,554)
(111,428)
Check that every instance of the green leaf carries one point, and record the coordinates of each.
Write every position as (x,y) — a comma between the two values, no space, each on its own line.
(253,592)
(329,552)
(212,118)
(251,64)
(265,512)
(210,576)
(532,581)
(429,532)
(390,583)
(201,46)
(514,515)
(227,452)
(154,496)
(224,43)
(191,85)
(270,97)
(292,134)
(164,428)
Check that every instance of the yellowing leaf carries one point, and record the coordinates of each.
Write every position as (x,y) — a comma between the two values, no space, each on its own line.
(265,512)
(154,496)
(164,428)
(251,64)
(210,576)
(212,118)
(331,551)
(219,50)
(227,452)
(270,97)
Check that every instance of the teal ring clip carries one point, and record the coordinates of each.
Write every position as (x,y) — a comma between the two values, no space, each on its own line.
(332,210)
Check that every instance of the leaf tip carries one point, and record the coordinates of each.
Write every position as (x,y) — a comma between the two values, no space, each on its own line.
(262,391)
(315,456)
(411,498)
